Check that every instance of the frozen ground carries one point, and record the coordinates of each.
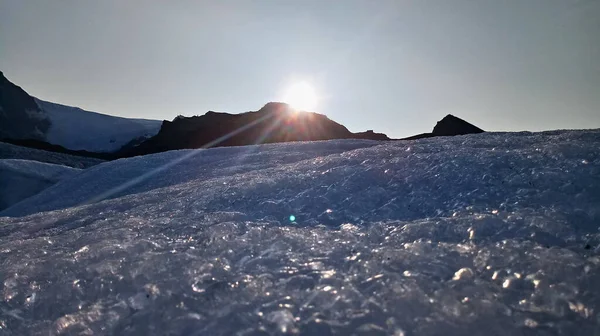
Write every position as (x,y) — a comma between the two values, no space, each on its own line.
(485,235)
(9,151)
(20,179)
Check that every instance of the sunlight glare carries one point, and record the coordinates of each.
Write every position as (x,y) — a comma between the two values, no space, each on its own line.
(301,96)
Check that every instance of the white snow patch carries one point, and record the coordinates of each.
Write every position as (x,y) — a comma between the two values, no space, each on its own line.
(77,129)
(482,234)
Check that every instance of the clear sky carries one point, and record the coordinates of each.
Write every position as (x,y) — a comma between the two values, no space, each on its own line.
(393,66)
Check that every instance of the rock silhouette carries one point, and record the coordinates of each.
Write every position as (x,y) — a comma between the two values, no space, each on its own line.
(274,122)
(449,126)
(24,122)
(20,115)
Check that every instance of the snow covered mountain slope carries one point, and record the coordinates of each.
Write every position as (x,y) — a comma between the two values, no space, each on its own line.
(483,234)
(25,117)
(77,129)
(9,151)
(20,179)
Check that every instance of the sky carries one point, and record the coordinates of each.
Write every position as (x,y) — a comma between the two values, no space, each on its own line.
(396,67)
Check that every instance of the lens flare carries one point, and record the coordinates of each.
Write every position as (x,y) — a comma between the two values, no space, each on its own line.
(301,96)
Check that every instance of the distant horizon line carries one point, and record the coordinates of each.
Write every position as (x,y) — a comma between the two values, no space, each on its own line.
(2,73)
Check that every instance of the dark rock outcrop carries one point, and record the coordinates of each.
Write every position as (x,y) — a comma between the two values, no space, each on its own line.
(274,122)
(25,122)
(20,115)
(451,125)
(370,135)
(448,126)
(419,136)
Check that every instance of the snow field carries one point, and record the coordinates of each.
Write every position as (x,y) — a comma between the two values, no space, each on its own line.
(489,234)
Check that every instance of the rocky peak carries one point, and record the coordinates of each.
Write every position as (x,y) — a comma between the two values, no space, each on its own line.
(451,125)
(21,117)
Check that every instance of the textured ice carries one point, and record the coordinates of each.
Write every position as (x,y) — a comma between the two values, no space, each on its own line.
(9,151)
(482,234)
(20,179)
(175,167)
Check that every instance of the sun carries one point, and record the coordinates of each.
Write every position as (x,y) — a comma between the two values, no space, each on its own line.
(301,96)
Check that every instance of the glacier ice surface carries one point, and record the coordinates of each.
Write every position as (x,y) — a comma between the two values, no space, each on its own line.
(489,234)
(20,179)
(9,151)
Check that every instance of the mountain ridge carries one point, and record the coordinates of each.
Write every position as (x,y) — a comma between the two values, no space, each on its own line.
(35,123)
(450,125)
(274,122)
(25,117)
(20,116)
